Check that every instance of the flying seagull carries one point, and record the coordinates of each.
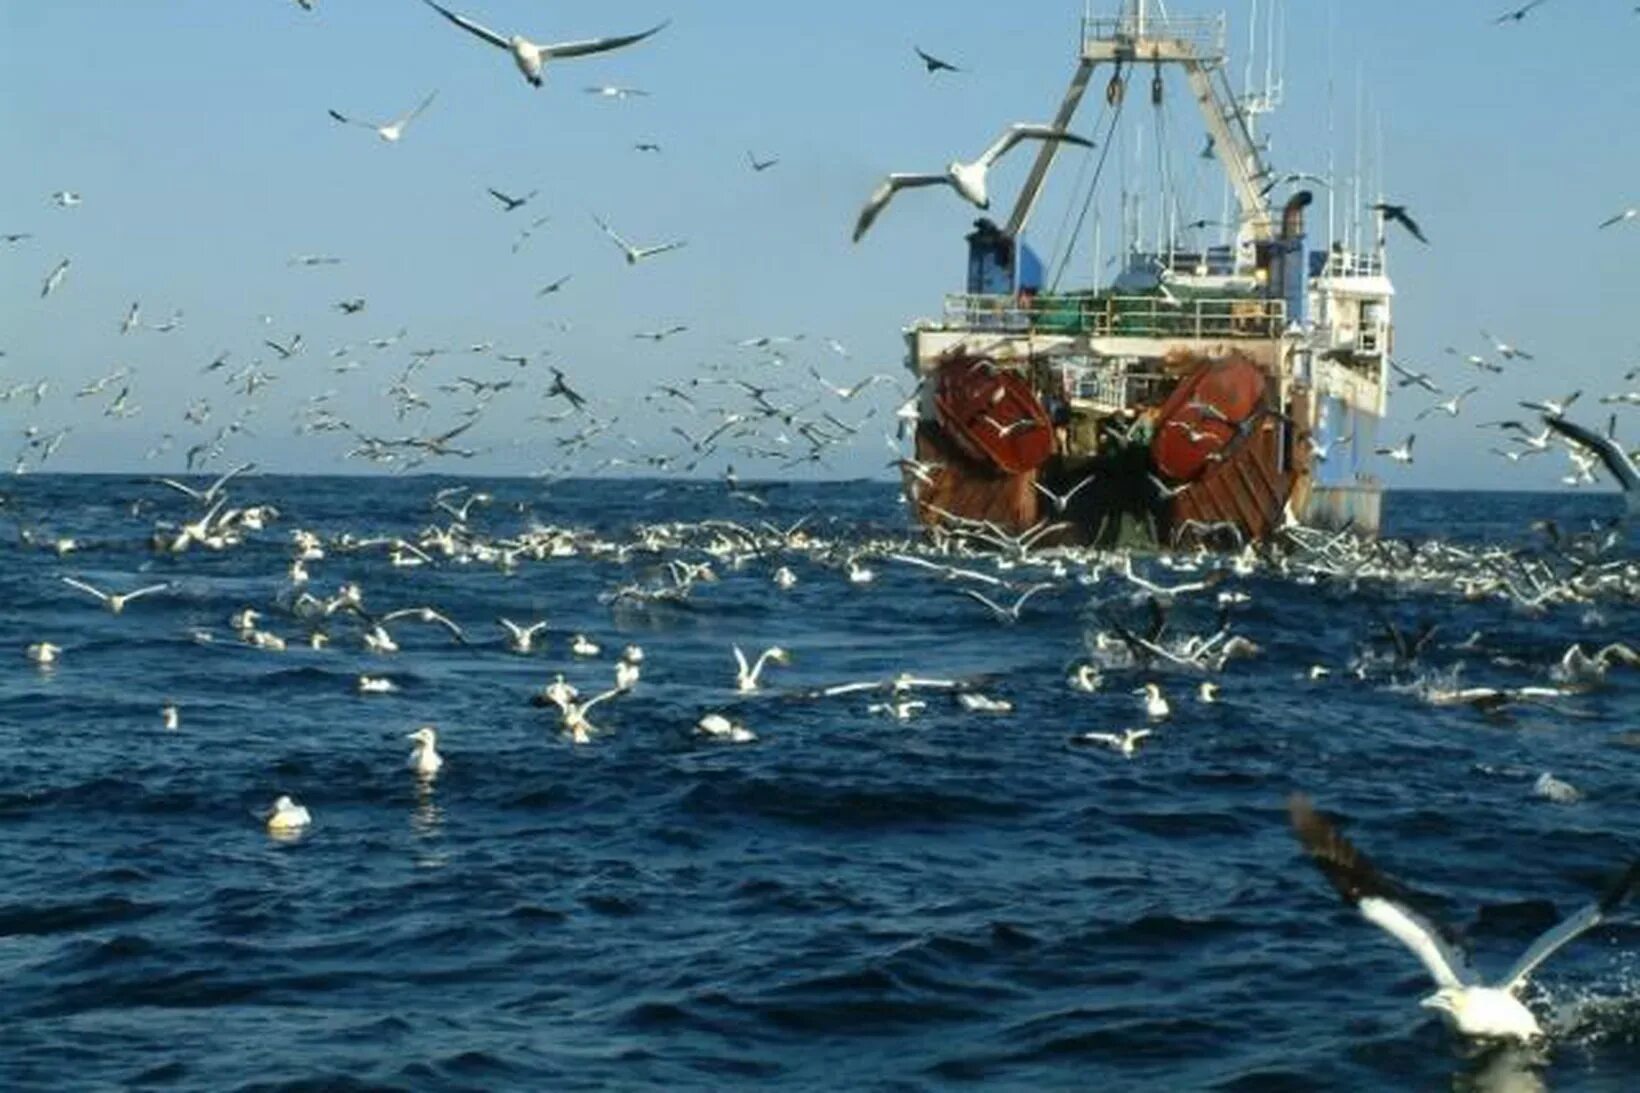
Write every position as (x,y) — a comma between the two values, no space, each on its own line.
(508,204)
(389,131)
(968,179)
(532,57)
(1626,214)
(1467,1004)
(634,255)
(1611,453)
(54,278)
(934,64)
(1398,214)
(1518,14)
(760,165)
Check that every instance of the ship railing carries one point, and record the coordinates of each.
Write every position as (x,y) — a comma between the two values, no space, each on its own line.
(1346,264)
(1120,316)
(1205,33)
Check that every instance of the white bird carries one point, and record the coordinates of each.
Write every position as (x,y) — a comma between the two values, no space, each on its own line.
(1450,407)
(1126,742)
(1611,453)
(288,817)
(376,685)
(1156,707)
(784,577)
(115,602)
(54,278)
(532,57)
(635,254)
(389,131)
(1401,453)
(170,716)
(66,199)
(968,179)
(859,574)
(975,702)
(521,639)
(1208,691)
(1625,215)
(1009,614)
(608,91)
(43,653)
(626,674)
(1469,1005)
(583,646)
(1086,678)
(746,677)
(574,716)
(718,727)
(1553,407)
(424,758)
(1555,789)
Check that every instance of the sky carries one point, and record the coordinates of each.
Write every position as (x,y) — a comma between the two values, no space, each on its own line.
(197,133)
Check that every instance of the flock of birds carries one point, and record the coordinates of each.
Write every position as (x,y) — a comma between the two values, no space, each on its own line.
(1004,576)
(1170,622)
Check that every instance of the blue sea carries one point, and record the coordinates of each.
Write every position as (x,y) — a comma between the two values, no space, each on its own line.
(959,899)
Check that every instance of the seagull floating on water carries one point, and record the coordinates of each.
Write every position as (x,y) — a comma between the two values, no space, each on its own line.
(968,179)
(43,653)
(746,677)
(1470,1006)
(718,727)
(288,817)
(532,57)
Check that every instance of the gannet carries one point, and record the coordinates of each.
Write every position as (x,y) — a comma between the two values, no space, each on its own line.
(115,602)
(169,715)
(574,716)
(1085,677)
(520,639)
(859,574)
(746,677)
(633,654)
(719,727)
(1156,707)
(288,816)
(784,577)
(389,131)
(1126,742)
(1611,453)
(261,639)
(376,685)
(901,708)
(582,646)
(979,703)
(531,57)
(626,674)
(1208,691)
(43,653)
(1554,789)
(560,692)
(635,254)
(424,758)
(1467,1004)
(968,179)
(54,278)
(378,640)
(1010,613)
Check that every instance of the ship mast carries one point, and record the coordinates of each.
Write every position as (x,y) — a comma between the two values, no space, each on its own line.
(1198,46)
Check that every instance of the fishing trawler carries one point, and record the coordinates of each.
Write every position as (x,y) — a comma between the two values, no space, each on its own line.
(1207,392)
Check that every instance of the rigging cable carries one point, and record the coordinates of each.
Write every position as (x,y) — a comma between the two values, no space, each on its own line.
(1093,188)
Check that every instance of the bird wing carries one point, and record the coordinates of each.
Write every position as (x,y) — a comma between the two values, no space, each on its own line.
(129,596)
(1016,133)
(740,659)
(1616,460)
(345,120)
(599,45)
(470,27)
(1001,612)
(612,233)
(591,702)
(73,582)
(414,114)
(1028,593)
(499,196)
(1379,899)
(1569,928)
(650,252)
(197,495)
(883,194)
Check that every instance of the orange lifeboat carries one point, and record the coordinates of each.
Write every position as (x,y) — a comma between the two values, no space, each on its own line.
(992,414)
(1200,418)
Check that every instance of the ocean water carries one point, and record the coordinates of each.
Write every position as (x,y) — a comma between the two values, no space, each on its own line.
(852,901)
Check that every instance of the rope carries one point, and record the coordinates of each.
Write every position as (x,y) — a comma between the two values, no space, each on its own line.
(1093,188)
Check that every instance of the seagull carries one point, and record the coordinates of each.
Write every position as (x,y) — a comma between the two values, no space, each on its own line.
(1450,406)
(574,716)
(66,199)
(609,92)
(1061,500)
(288,816)
(1401,453)
(968,179)
(1408,377)
(746,676)
(760,165)
(1622,217)
(508,204)
(1552,407)
(54,278)
(1470,1006)
(634,255)
(1126,742)
(114,602)
(1518,14)
(520,639)
(532,57)
(554,286)
(1009,615)
(389,131)
(1398,214)
(1611,453)
(1505,350)
(718,727)
(425,759)
(1156,707)
(934,64)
